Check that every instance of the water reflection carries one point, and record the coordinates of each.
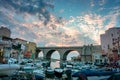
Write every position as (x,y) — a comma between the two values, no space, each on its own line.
(55,64)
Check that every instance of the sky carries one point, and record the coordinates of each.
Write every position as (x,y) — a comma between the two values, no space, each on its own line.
(59,22)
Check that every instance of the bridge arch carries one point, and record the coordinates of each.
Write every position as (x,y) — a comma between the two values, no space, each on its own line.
(49,54)
(68,52)
(37,53)
(40,54)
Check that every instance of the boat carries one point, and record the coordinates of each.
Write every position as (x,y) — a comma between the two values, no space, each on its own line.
(49,73)
(8,69)
(39,74)
(29,67)
(58,72)
(89,72)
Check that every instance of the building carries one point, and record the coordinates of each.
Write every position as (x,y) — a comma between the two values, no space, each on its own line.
(23,48)
(97,54)
(5,32)
(17,47)
(19,41)
(5,47)
(110,42)
(30,50)
(89,52)
(5,43)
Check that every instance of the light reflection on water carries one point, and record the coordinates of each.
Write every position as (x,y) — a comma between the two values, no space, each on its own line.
(55,64)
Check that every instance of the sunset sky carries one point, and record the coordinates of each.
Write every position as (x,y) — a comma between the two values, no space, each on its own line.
(59,22)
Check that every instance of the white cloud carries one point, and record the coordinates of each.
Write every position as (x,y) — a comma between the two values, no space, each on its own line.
(92,3)
(74,31)
(91,25)
(61,32)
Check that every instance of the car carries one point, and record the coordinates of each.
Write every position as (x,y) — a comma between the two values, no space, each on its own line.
(115,76)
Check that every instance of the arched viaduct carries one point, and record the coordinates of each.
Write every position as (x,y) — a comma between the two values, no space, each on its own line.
(63,51)
(84,51)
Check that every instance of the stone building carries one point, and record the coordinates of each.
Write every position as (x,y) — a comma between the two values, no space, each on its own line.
(5,32)
(17,51)
(5,47)
(89,52)
(110,42)
(30,49)
(5,43)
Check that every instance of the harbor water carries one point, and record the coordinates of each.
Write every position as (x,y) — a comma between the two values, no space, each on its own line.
(31,72)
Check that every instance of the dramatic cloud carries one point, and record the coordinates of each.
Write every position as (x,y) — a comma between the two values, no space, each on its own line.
(90,26)
(34,20)
(32,7)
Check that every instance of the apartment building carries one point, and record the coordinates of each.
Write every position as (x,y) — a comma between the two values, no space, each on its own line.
(110,43)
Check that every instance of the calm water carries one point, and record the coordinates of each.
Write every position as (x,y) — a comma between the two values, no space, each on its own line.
(55,64)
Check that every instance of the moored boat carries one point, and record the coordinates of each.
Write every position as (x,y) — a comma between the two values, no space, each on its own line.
(8,69)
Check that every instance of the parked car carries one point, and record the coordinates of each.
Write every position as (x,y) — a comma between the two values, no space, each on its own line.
(115,76)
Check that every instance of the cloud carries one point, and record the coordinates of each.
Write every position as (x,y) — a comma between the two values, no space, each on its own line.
(32,7)
(37,24)
(94,3)
(21,18)
(89,26)
(77,31)
(35,30)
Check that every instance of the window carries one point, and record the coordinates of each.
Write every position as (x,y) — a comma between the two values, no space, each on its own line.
(118,38)
(112,35)
(108,46)
(113,39)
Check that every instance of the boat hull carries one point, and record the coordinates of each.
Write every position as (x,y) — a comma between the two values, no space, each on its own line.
(8,69)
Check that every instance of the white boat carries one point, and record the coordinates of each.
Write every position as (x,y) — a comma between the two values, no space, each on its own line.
(8,69)
(39,72)
(29,67)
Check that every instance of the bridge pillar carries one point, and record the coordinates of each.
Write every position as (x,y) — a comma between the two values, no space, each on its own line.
(62,52)
(36,54)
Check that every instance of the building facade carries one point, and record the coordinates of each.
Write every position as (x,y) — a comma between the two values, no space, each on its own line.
(110,42)
(5,43)
(19,41)
(90,51)
(5,32)
(30,49)
(17,51)
(5,47)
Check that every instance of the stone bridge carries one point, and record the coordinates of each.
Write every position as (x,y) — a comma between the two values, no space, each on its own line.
(84,51)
